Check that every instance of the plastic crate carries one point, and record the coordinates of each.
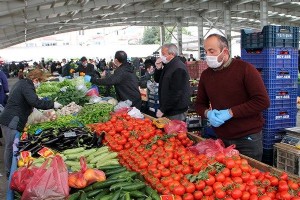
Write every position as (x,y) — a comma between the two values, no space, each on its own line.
(287,158)
(280,74)
(196,68)
(271,57)
(276,118)
(193,120)
(283,97)
(272,136)
(271,36)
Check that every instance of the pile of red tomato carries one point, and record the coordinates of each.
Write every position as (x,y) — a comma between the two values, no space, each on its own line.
(166,164)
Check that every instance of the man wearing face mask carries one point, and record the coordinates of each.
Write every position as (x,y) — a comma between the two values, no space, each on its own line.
(21,101)
(174,87)
(232,95)
(124,80)
(85,68)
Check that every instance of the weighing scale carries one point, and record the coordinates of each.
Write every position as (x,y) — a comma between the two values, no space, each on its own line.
(292,136)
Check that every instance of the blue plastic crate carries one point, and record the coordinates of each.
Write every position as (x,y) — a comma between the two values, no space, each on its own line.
(274,84)
(266,58)
(280,74)
(280,117)
(271,36)
(283,97)
(272,136)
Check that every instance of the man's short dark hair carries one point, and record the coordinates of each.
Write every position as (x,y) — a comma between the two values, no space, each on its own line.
(223,41)
(121,56)
(83,59)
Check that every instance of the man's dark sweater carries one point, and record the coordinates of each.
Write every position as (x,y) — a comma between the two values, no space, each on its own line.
(239,87)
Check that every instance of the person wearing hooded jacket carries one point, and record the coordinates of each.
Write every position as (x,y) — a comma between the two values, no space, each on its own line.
(124,80)
(21,101)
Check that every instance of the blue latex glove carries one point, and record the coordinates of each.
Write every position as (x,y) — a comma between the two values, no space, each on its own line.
(87,78)
(213,119)
(224,115)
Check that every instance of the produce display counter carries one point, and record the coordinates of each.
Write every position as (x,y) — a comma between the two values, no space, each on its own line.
(254,163)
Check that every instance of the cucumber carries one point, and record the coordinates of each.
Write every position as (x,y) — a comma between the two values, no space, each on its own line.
(115,171)
(73,151)
(149,198)
(152,193)
(72,156)
(110,167)
(116,195)
(107,183)
(99,152)
(83,196)
(101,194)
(134,186)
(106,197)
(93,193)
(127,196)
(72,163)
(86,153)
(137,194)
(74,196)
(125,174)
(107,162)
(99,158)
(119,185)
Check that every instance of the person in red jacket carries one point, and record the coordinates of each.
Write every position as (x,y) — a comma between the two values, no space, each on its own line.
(232,95)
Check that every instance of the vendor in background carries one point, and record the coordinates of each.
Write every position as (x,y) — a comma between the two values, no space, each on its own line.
(149,66)
(3,94)
(174,87)
(84,68)
(191,58)
(22,99)
(237,95)
(124,80)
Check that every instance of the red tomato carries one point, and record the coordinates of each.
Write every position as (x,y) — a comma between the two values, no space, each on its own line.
(220,157)
(188,196)
(245,195)
(208,190)
(198,195)
(200,185)
(220,177)
(253,189)
(179,190)
(211,180)
(264,197)
(217,185)
(165,172)
(284,176)
(229,163)
(226,171)
(186,170)
(285,195)
(190,187)
(220,194)
(236,172)
(236,193)
(166,181)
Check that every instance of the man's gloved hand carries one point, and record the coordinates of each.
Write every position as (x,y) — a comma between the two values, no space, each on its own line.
(224,115)
(87,78)
(213,119)
(57,105)
(72,71)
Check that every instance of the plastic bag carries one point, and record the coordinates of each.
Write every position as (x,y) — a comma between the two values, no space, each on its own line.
(175,126)
(122,104)
(93,91)
(136,113)
(212,147)
(48,183)
(21,178)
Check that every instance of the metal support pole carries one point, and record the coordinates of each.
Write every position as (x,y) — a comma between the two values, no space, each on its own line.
(227,22)
(263,13)
(200,38)
(179,35)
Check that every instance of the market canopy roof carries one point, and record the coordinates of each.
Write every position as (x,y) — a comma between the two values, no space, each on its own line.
(23,20)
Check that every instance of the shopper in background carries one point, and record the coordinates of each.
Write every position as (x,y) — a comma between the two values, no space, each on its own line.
(149,66)
(3,94)
(124,79)
(174,87)
(191,58)
(22,99)
(84,68)
(66,67)
(182,58)
(237,95)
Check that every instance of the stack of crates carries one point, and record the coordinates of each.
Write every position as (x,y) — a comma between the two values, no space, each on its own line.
(274,53)
(153,101)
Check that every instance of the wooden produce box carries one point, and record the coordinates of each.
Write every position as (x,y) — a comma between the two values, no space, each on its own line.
(254,163)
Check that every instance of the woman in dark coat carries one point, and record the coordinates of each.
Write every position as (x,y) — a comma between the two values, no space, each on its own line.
(22,99)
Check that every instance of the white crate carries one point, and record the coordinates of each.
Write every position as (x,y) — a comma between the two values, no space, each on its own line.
(287,158)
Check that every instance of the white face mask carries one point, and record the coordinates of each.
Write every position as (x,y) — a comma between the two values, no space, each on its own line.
(37,84)
(212,61)
(164,59)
